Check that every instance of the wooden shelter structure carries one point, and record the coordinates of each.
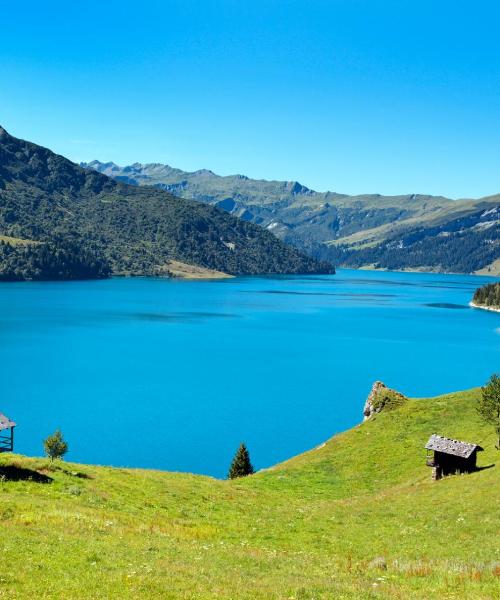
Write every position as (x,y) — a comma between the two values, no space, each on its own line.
(6,434)
(450,456)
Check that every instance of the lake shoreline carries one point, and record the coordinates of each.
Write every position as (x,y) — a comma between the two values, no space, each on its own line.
(183,272)
(431,270)
(490,308)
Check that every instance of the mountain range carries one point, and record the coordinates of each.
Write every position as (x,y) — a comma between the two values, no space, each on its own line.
(59,220)
(413,231)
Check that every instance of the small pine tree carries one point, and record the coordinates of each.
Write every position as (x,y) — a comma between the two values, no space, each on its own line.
(489,405)
(241,465)
(55,446)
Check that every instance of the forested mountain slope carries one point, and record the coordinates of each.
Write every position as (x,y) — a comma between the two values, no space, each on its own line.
(44,197)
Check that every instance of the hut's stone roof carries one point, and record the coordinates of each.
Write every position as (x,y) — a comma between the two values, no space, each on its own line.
(5,422)
(449,446)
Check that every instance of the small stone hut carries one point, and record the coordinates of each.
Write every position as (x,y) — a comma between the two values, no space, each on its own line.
(450,456)
(6,434)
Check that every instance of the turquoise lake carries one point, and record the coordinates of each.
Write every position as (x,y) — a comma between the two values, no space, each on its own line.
(175,374)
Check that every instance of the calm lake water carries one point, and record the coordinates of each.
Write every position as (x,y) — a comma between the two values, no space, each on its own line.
(174,374)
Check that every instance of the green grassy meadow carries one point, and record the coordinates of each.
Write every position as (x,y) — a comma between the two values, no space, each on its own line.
(357,517)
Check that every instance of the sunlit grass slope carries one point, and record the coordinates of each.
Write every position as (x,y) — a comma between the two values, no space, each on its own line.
(358,517)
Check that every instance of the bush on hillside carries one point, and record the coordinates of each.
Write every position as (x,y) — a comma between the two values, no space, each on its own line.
(55,447)
(388,399)
(241,465)
(489,405)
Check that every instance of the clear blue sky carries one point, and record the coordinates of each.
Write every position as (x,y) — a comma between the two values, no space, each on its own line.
(388,96)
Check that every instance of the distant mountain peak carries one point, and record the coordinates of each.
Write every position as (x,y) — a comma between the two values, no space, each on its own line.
(298,188)
(110,165)
(203,172)
(3,131)
(98,163)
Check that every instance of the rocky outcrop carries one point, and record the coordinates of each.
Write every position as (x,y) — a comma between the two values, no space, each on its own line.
(381,398)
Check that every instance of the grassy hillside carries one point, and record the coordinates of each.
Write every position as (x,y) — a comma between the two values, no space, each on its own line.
(358,517)
(410,231)
(137,231)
